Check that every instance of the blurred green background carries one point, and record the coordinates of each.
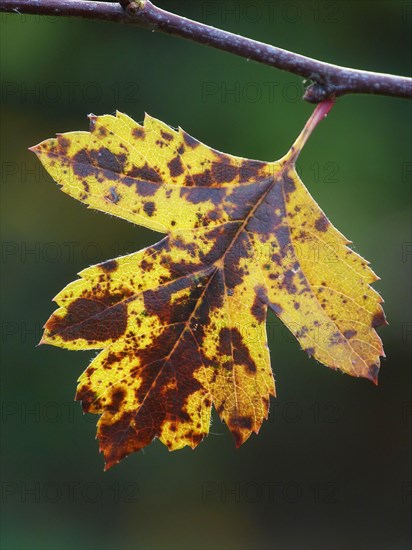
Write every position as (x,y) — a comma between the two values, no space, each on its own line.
(330,469)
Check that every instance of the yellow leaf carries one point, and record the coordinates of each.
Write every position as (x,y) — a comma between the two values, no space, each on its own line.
(181,324)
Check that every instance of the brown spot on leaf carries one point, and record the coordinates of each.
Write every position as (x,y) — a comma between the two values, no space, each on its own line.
(143,188)
(289,184)
(379,319)
(146,173)
(104,158)
(244,422)
(64,144)
(149,208)
(159,302)
(166,135)
(249,170)
(322,223)
(224,173)
(87,396)
(90,319)
(203,179)
(190,141)
(175,167)
(109,266)
(288,282)
(82,166)
(259,305)
(241,353)
(138,133)
(118,395)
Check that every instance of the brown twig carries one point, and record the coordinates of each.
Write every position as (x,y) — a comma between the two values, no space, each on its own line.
(327,80)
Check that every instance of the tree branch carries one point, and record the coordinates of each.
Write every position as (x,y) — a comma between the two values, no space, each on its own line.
(327,80)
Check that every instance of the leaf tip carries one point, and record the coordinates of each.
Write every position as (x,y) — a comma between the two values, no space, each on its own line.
(109,461)
(43,340)
(373,374)
(107,466)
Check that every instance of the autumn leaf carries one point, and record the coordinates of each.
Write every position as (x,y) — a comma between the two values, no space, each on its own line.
(181,324)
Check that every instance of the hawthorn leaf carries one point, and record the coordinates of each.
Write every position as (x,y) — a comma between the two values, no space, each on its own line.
(181,324)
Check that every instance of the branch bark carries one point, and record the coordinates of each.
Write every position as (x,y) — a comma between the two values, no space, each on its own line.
(327,80)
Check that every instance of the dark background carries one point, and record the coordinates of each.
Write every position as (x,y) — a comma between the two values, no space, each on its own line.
(330,469)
